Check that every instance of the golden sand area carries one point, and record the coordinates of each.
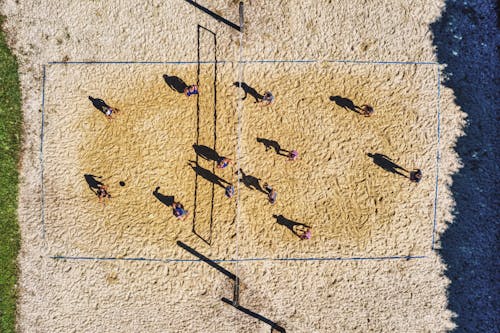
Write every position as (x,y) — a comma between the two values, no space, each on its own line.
(355,207)
(351,203)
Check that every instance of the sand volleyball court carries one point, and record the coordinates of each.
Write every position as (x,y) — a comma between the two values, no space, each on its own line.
(156,148)
(132,266)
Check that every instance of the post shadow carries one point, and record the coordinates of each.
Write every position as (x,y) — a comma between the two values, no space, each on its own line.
(175,83)
(206,153)
(236,280)
(248,91)
(167,200)
(92,182)
(255,315)
(345,103)
(214,15)
(207,260)
(99,104)
(274,145)
(251,182)
(387,164)
(280,219)
(208,175)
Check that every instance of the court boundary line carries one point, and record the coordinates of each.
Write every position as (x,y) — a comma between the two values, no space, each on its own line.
(438,153)
(438,157)
(41,157)
(239,110)
(264,259)
(133,62)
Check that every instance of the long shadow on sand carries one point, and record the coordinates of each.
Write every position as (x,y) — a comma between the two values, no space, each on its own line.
(93,182)
(99,104)
(208,175)
(272,144)
(466,38)
(167,200)
(291,225)
(251,182)
(206,153)
(248,91)
(386,163)
(214,15)
(345,103)
(236,295)
(175,83)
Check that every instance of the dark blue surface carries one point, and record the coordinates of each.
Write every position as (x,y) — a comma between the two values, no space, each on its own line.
(467,39)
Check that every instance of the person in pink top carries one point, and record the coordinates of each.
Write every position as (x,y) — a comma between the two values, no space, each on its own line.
(293,155)
(191,90)
(229,191)
(304,232)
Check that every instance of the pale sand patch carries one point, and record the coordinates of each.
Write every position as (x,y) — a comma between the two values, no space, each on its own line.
(65,296)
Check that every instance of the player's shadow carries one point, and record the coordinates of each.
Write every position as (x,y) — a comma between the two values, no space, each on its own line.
(345,103)
(387,164)
(208,175)
(167,200)
(291,225)
(271,144)
(99,104)
(250,181)
(92,182)
(248,91)
(175,83)
(206,153)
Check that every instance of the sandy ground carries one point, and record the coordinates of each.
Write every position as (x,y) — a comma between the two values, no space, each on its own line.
(356,208)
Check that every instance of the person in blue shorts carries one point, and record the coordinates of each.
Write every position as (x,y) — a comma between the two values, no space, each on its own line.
(223,162)
(230,191)
(191,90)
(179,211)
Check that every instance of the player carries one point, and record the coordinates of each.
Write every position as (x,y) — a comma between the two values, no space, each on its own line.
(416,176)
(109,111)
(191,90)
(267,99)
(271,194)
(102,194)
(224,162)
(367,110)
(293,155)
(179,211)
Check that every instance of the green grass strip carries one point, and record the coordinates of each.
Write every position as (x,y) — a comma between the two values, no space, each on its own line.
(10,143)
